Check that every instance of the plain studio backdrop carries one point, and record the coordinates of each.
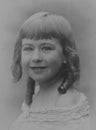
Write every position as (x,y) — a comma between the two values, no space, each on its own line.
(82,16)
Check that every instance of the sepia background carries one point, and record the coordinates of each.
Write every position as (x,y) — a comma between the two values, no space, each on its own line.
(82,16)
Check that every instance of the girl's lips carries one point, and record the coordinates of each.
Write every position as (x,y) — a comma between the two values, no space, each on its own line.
(38,69)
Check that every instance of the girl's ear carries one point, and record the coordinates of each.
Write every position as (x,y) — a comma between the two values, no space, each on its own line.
(64,59)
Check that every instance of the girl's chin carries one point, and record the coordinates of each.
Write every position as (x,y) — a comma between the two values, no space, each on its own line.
(42,79)
(38,79)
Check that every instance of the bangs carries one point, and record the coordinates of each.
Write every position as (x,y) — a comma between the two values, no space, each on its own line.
(45,27)
(38,33)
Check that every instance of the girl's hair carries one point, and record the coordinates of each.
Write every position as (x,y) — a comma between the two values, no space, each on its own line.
(44,25)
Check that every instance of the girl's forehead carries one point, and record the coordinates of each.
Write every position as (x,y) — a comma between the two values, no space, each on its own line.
(40,41)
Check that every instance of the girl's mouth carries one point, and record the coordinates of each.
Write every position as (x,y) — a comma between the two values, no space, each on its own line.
(38,69)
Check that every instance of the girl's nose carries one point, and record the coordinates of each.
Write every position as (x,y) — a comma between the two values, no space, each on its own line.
(36,56)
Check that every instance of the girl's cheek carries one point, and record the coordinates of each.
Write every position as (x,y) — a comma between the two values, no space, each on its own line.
(25,59)
(25,65)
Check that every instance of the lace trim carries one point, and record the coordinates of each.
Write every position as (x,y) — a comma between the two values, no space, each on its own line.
(26,109)
(76,117)
(57,114)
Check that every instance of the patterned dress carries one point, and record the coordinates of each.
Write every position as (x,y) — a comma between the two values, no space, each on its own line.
(55,118)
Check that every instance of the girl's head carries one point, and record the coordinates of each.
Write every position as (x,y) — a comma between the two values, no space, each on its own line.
(55,31)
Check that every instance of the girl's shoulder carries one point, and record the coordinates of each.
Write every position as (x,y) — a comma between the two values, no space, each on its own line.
(71,99)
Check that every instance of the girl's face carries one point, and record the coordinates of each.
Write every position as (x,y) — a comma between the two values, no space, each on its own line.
(41,59)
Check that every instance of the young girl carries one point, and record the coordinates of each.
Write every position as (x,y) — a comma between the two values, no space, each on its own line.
(45,51)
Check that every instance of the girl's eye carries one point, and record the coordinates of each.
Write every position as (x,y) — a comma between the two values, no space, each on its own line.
(46,48)
(28,49)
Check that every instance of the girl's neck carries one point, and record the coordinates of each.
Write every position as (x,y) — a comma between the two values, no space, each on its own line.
(48,94)
(51,85)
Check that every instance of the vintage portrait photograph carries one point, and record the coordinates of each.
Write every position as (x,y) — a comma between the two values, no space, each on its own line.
(48,65)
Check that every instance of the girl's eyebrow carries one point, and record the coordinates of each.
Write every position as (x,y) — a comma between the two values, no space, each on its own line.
(43,43)
(47,43)
(27,44)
